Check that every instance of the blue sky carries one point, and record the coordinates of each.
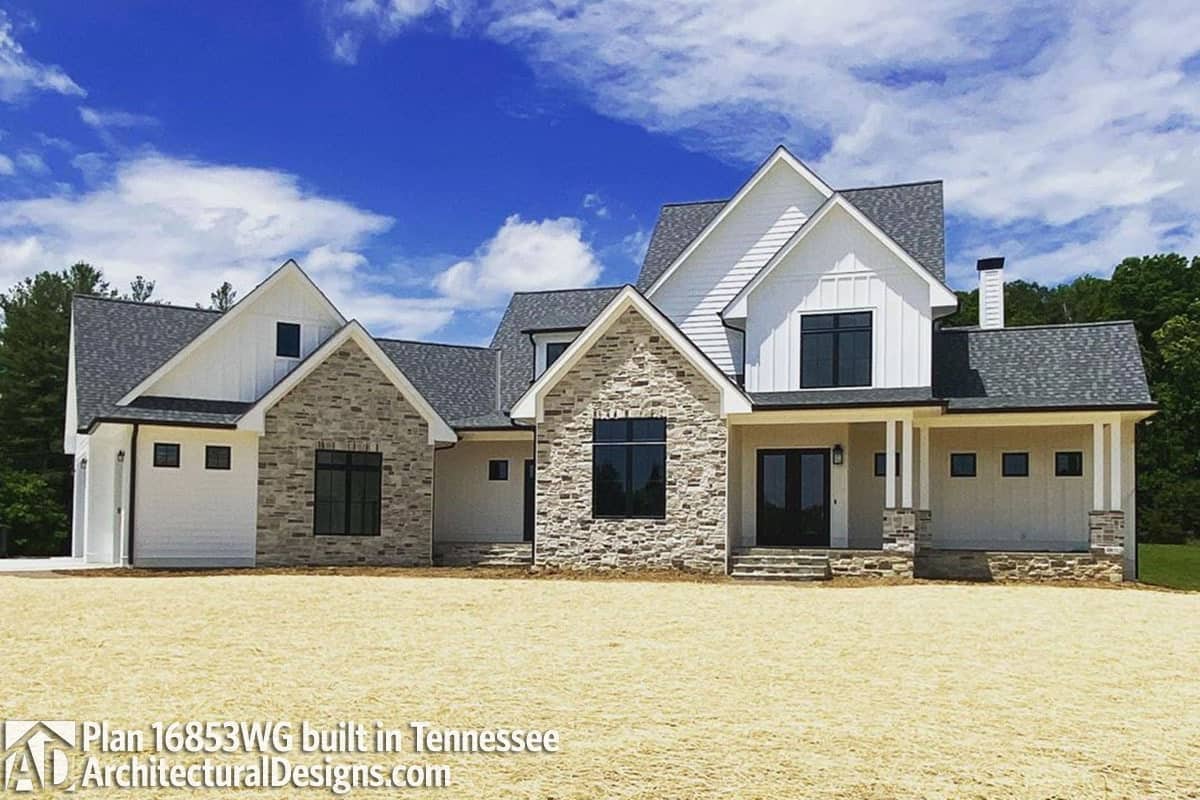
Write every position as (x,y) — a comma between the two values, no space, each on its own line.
(424,158)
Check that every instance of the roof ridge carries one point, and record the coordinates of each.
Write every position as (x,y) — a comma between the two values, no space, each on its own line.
(581,289)
(696,202)
(890,185)
(1038,326)
(127,301)
(435,344)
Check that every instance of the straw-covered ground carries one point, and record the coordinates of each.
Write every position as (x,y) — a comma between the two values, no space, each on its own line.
(657,689)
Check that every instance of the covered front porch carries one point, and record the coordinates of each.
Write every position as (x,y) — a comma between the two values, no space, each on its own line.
(915,490)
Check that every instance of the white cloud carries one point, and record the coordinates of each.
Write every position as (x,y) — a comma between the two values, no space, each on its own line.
(103,119)
(6,165)
(593,201)
(1033,111)
(21,75)
(522,256)
(190,225)
(32,162)
(348,23)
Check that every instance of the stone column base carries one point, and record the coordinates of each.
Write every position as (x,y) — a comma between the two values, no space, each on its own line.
(900,531)
(1106,533)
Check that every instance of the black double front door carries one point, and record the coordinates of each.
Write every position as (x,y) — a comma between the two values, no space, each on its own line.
(793,498)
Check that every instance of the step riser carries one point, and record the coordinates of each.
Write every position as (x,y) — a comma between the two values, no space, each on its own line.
(765,564)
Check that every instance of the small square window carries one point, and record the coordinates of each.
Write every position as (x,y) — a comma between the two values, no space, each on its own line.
(962,465)
(498,469)
(166,455)
(554,350)
(1068,464)
(1014,465)
(217,457)
(287,339)
(881,465)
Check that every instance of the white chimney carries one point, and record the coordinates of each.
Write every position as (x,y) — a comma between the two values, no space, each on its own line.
(991,292)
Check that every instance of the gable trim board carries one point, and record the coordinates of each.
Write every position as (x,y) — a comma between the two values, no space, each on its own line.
(940,294)
(255,418)
(529,406)
(781,154)
(288,269)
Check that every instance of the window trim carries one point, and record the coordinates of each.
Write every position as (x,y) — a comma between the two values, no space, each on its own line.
(279,324)
(495,462)
(883,474)
(974,465)
(870,312)
(178,455)
(1004,473)
(1058,473)
(346,471)
(629,443)
(210,448)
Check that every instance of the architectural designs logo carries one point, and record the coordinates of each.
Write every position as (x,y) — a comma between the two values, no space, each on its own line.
(36,754)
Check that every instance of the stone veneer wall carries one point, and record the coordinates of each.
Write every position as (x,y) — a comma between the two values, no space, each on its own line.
(869,564)
(1017,566)
(632,371)
(346,403)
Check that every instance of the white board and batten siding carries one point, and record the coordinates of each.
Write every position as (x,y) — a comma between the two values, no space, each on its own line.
(239,361)
(193,516)
(467,506)
(840,266)
(720,267)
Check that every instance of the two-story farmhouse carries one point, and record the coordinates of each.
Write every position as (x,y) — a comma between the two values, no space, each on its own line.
(775,397)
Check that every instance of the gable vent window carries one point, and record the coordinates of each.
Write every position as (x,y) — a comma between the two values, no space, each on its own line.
(287,339)
(166,455)
(835,350)
(554,350)
(217,457)
(629,468)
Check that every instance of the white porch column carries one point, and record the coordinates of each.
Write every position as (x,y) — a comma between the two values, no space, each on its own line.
(1097,466)
(1114,466)
(906,463)
(889,465)
(923,458)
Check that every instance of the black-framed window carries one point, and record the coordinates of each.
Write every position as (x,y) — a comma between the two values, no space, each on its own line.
(346,495)
(1068,464)
(881,465)
(835,350)
(1014,465)
(498,469)
(629,468)
(287,339)
(166,455)
(217,456)
(962,465)
(554,350)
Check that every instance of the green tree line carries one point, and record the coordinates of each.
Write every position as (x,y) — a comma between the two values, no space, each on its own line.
(36,481)
(1160,294)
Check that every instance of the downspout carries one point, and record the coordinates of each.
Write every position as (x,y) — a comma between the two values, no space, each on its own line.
(133,449)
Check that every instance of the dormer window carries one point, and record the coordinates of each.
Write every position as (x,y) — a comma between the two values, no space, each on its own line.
(835,350)
(287,339)
(554,350)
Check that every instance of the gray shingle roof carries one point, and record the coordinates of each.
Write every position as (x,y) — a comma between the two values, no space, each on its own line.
(180,410)
(677,225)
(570,308)
(118,343)
(458,381)
(1050,366)
(910,213)
(841,398)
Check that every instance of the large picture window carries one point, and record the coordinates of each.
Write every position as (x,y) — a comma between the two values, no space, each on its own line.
(347,493)
(835,350)
(629,468)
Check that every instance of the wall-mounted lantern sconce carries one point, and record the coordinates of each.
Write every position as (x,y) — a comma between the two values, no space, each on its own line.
(838,454)
(120,456)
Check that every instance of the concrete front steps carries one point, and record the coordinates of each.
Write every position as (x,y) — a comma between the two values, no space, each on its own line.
(483,554)
(779,564)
